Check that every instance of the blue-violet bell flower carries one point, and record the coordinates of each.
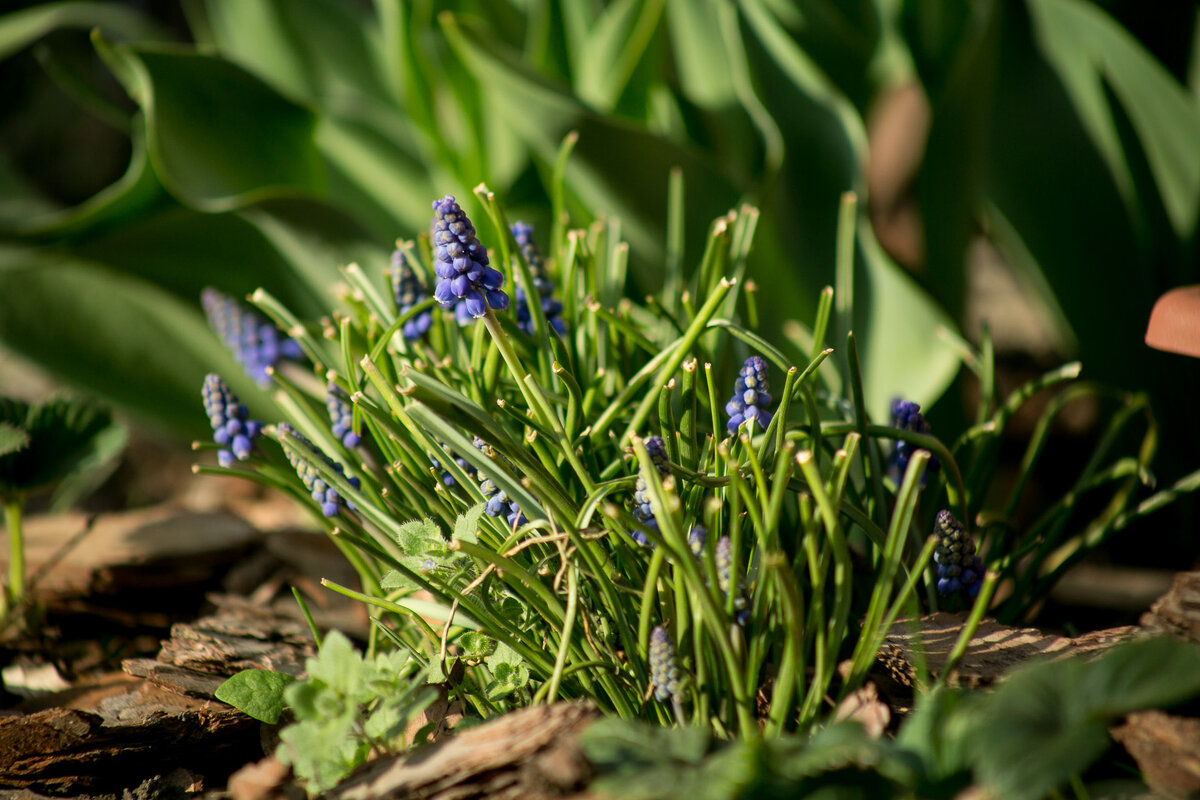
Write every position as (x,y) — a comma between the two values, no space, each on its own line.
(465,280)
(326,496)
(409,293)
(664,673)
(232,427)
(751,396)
(498,504)
(906,415)
(643,512)
(341,416)
(551,308)
(256,343)
(959,568)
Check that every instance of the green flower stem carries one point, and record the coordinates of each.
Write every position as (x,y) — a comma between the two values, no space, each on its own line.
(666,420)
(687,342)
(568,449)
(790,677)
(982,602)
(872,464)
(714,618)
(574,399)
(844,268)
(288,322)
(560,662)
(689,447)
(381,344)
(714,406)
(649,595)
(13,506)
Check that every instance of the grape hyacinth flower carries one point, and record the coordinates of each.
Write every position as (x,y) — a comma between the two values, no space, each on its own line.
(959,568)
(498,504)
(447,478)
(725,582)
(409,292)
(341,416)
(697,538)
(751,396)
(551,308)
(326,496)
(664,674)
(232,427)
(642,510)
(907,416)
(256,343)
(465,280)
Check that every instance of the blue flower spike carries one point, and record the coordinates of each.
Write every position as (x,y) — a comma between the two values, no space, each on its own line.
(256,344)
(725,582)
(447,478)
(906,415)
(326,496)
(465,280)
(232,427)
(751,396)
(498,504)
(697,538)
(341,416)
(664,673)
(959,568)
(643,512)
(409,292)
(551,308)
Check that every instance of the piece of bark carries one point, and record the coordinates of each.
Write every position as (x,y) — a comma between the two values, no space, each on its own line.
(1166,749)
(267,779)
(1178,611)
(994,650)
(864,707)
(124,741)
(533,753)
(162,547)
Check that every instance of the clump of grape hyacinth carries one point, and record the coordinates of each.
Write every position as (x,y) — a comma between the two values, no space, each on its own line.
(959,568)
(906,415)
(465,280)
(232,427)
(498,504)
(642,510)
(256,343)
(341,416)
(664,673)
(551,308)
(751,396)
(409,293)
(725,582)
(326,496)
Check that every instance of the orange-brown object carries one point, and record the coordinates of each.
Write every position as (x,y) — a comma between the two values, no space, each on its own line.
(1175,322)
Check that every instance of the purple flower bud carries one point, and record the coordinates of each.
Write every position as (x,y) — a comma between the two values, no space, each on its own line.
(751,397)
(232,427)
(409,293)
(906,416)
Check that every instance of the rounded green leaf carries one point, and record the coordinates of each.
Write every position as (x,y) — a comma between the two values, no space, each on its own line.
(256,692)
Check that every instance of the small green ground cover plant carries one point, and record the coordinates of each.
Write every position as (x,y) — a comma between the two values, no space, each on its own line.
(559,492)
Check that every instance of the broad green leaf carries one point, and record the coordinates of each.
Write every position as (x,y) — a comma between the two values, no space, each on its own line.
(338,665)
(256,692)
(202,143)
(704,72)
(113,335)
(19,29)
(417,536)
(61,431)
(1049,721)
(1092,54)
(466,527)
(12,438)
(130,195)
(616,40)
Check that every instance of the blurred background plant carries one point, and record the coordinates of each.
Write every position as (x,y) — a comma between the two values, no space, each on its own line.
(1047,145)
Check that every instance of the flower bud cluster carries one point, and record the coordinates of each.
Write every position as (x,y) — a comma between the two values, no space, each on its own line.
(551,308)
(643,512)
(409,292)
(498,504)
(255,342)
(959,568)
(327,497)
(697,538)
(465,280)
(664,673)
(725,582)
(232,427)
(751,396)
(906,415)
(341,416)
(447,478)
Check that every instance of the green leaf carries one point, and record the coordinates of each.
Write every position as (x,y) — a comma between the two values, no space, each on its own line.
(19,29)
(1050,721)
(509,672)
(418,536)
(197,109)
(1092,53)
(93,467)
(256,692)
(12,438)
(112,335)
(61,431)
(338,665)
(466,527)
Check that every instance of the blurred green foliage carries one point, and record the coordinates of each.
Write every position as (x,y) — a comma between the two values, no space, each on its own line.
(270,141)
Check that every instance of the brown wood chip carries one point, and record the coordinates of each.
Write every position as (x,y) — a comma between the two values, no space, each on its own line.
(1167,750)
